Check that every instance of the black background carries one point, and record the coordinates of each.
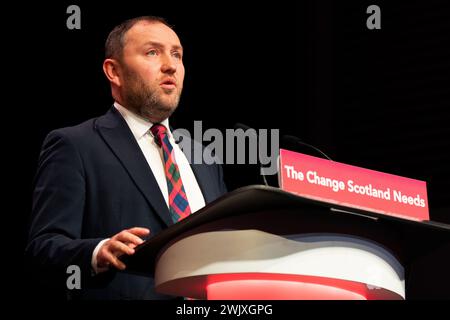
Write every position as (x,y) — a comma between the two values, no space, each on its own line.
(378,99)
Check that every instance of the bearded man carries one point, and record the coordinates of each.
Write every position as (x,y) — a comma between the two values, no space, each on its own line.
(105,185)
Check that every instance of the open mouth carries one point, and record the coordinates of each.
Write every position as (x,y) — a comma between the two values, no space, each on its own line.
(168,84)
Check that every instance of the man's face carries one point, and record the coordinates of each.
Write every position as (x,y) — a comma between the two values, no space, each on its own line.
(152,70)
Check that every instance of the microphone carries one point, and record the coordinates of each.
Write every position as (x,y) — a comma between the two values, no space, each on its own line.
(245,128)
(295,140)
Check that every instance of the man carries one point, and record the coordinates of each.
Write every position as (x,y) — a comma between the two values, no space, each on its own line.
(104,185)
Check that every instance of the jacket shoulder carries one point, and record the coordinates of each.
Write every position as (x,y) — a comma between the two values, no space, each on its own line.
(80,131)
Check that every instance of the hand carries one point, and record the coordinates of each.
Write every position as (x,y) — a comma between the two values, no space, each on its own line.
(122,243)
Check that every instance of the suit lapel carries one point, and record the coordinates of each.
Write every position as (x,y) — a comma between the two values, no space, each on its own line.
(202,174)
(203,182)
(116,133)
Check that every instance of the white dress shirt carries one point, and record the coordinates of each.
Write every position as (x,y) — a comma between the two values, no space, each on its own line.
(140,128)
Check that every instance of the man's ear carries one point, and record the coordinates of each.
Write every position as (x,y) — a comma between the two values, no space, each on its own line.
(111,68)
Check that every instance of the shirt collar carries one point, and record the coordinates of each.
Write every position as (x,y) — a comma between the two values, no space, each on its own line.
(138,125)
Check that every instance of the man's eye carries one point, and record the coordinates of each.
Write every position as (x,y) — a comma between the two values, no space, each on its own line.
(177,55)
(152,53)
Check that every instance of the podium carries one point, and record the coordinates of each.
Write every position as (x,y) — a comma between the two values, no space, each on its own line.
(260,242)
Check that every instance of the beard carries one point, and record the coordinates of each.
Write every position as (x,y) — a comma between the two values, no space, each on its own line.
(149,101)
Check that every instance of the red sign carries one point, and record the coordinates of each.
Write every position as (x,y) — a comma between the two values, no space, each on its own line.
(352,186)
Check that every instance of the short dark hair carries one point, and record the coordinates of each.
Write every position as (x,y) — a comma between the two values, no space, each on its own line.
(116,39)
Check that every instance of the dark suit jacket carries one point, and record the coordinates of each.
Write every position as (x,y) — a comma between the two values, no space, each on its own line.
(92,182)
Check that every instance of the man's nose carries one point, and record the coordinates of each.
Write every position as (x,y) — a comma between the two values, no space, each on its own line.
(168,64)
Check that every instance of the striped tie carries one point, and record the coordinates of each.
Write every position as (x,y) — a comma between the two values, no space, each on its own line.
(178,202)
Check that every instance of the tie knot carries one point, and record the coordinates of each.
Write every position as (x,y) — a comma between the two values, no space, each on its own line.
(158,131)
